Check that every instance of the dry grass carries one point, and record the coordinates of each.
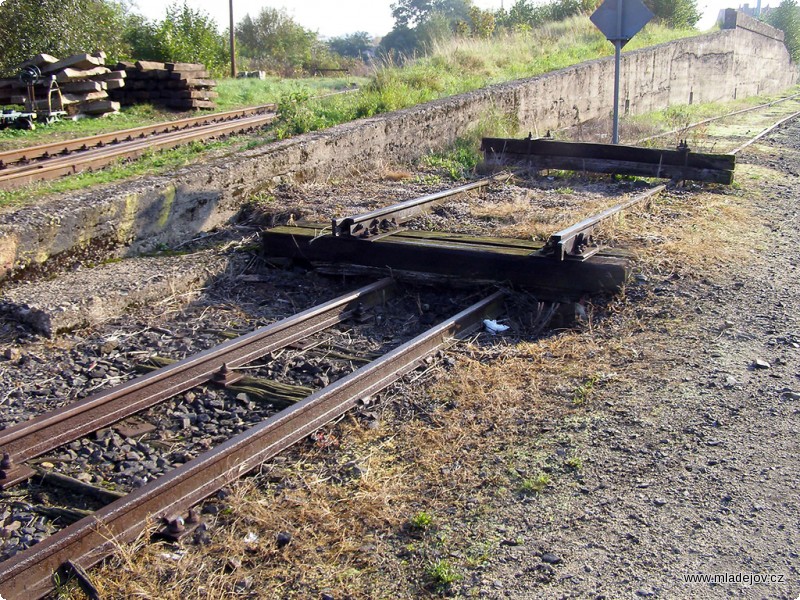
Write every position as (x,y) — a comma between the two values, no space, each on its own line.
(538,212)
(397,175)
(693,234)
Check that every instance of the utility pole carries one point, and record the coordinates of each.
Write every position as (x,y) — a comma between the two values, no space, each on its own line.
(233,45)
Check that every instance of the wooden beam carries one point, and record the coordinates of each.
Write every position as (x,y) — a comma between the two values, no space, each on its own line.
(467,258)
(609,158)
(78,61)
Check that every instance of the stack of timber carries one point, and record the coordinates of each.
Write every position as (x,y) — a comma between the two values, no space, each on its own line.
(182,86)
(83,81)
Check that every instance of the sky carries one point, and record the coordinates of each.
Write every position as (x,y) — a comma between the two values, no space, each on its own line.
(332,18)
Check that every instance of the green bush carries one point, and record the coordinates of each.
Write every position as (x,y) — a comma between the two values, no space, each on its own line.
(60,28)
(185,35)
(786,17)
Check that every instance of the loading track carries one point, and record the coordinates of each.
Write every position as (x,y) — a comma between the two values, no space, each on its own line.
(50,161)
(169,498)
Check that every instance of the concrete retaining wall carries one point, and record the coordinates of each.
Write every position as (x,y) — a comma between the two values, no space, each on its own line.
(125,219)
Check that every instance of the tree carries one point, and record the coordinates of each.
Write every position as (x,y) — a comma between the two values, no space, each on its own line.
(355,45)
(786,17)
(400,43)
(680,14)
(188,35)
(185,35)
(524,14)
(273,41)
(60,28)
(411,13)
(419,23)
(483,22)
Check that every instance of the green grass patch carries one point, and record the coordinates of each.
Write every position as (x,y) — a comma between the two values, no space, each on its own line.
(421,521)
(458,162)
(442,573)
(535,485)
(584,391)
(238,93)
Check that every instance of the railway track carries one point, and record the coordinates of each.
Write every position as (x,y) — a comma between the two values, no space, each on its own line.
(170,498)
(50,161)
(708,121)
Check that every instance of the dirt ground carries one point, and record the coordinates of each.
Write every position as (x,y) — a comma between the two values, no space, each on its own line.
(690,449)
(655,441)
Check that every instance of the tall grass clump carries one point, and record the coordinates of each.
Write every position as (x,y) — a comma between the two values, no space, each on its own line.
(462,64)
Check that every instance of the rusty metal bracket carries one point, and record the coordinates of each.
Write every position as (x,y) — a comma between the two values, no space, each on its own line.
(176,527)
(11,473)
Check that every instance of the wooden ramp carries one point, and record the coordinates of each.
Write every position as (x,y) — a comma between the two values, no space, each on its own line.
(449,258)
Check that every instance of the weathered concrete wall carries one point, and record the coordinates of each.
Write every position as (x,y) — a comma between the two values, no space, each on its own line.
(129,218)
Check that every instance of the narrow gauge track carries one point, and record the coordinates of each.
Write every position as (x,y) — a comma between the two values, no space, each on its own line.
(9,157)
(718,118)
(86,542)
(30,574)
(123,146)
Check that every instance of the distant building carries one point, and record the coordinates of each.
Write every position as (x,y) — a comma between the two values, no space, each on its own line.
(748,10)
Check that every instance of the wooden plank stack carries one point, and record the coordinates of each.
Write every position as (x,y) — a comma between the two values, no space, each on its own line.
(88,86)
(83,79)
(182,86)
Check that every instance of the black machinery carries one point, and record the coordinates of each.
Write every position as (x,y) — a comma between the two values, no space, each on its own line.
(44,110)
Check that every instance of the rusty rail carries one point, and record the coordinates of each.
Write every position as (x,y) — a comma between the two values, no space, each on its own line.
(388,218)
(714,119)
(15,177)
(9,157)
(18,176)
(33,438)
(767,131)
(575,241)
(30,574)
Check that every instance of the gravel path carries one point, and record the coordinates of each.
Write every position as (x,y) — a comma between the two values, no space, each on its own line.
(690,460)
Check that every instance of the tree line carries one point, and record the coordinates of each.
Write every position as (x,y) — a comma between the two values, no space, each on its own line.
(420,23)
(272,41)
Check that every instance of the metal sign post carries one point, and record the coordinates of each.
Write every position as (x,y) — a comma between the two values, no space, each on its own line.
(617,66)
(619,21)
